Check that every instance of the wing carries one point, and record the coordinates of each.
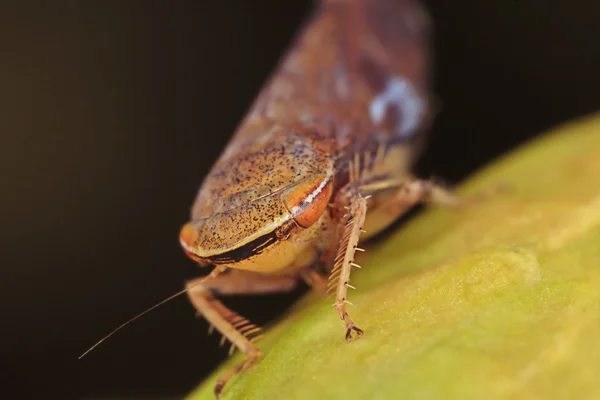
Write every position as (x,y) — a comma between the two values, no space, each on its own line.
(357,72)
(355,77)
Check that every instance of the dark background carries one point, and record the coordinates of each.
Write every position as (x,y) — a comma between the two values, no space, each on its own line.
(111,113)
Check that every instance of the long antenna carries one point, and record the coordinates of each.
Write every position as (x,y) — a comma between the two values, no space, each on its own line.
(213,274)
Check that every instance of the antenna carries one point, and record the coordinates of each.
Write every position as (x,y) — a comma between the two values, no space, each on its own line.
(214,273)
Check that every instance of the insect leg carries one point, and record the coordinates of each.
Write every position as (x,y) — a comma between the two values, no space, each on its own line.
(415,190)
(394,197)
(235,328)
(404,194)
(412,190)
(340,275)
(314,279)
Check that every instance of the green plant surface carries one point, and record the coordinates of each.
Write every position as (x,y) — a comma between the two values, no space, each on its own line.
(499,299)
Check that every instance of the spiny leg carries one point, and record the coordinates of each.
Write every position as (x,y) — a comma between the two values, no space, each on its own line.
(411,190)
(402,194)
(347,240)
(340,275)
(235,328)
(391,198)
(369,175)
(414,190)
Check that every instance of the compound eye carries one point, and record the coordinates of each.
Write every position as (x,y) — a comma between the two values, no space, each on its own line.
(307,200)
(187,238)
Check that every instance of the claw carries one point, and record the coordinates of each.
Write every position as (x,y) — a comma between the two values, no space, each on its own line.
(219,388)
(349,336)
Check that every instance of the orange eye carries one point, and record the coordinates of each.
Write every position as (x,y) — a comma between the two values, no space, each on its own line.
(187,238)
(307,200)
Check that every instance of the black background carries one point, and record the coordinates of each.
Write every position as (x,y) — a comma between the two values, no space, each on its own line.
(111,113)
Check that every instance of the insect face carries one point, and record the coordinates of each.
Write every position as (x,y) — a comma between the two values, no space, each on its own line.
(266,223)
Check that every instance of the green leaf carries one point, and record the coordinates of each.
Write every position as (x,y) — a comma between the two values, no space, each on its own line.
(500,299)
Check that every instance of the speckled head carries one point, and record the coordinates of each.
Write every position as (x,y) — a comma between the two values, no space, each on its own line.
(262,207)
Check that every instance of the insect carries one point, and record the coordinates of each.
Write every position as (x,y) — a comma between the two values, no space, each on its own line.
(320,163)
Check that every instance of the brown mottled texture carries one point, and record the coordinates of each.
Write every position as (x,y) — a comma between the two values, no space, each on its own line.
(328,99)
(341,61)
(271,162)
(240,203)
(352,91)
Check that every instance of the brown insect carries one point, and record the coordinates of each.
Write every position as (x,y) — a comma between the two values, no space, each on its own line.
(320,162)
